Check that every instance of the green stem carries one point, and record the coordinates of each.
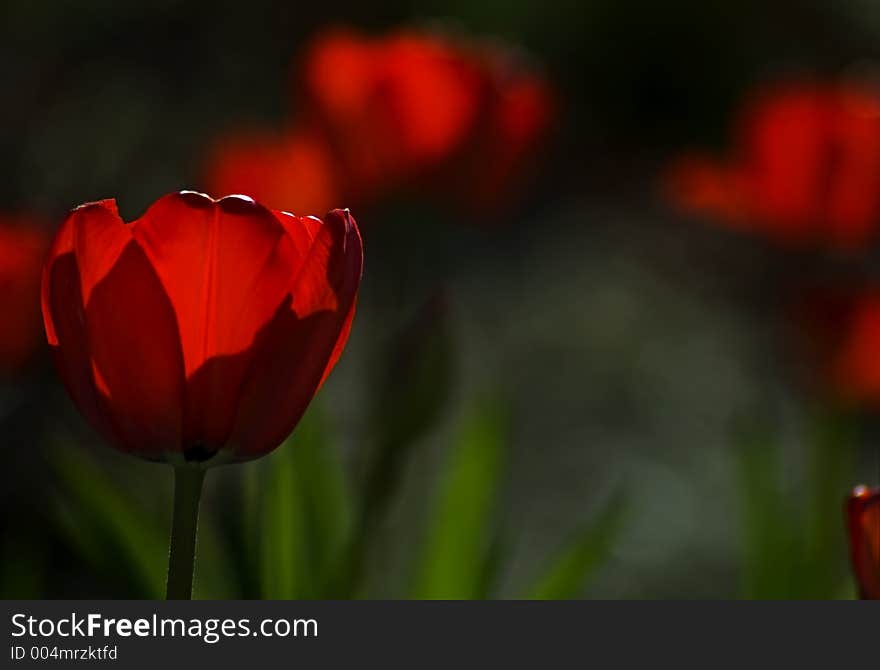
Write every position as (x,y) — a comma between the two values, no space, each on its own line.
(182,555)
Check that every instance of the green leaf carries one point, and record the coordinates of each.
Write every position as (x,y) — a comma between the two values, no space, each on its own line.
(214,574)
(771,527)
(23,568)
(794,539)
(109,527)
(237,508)
(306,514)
(578,562)
(327,502)
(415,378)
(409,392)
(283,558)
(828,479)
(461,528)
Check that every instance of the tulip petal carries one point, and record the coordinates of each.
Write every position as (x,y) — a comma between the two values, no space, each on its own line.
(64,315)
(225,265)
(301,230)
(136,360)
(296,350)
(114,332)
(863,511)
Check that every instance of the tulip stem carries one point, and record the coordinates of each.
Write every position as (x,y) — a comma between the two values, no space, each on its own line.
(182,554)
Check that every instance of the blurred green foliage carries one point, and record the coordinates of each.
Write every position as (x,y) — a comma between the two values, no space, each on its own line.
(579,560)
(460,531)
(295,525)
(792,522)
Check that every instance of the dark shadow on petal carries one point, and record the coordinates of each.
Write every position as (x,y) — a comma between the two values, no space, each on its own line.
(299,345)
(137,364)
(73,356)
(291,354)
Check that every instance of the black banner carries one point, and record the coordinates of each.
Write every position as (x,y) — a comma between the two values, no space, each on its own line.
(142,634)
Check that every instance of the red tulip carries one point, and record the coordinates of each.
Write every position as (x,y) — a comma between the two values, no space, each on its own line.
(294,171)
(22,250)
(392,107)
(410,109)
(806,167)
(503,151)
(383,116)
(201,331)
(863,520)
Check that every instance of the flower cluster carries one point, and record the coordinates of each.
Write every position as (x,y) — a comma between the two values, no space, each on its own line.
(377,116)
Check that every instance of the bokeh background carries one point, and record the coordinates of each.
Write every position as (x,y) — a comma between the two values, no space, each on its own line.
(585,389)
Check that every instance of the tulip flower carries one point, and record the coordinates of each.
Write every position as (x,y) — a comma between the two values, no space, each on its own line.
(22,248)
(199,333)
(417,109)
(863,521)
(406,112)
(805,168)
(393,107)
(502,153)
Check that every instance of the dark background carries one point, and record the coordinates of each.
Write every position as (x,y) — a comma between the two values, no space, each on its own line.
(641,360)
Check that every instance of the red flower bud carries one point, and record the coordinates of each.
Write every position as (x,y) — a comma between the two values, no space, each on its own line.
(863,517)
(202,330)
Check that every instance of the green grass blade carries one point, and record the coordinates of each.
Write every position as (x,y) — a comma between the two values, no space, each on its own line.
(109,528)
(283,557)
(771,527)
(829,477)
(326,499)
(794,540)
(305,514)
(578,562)
(461,528)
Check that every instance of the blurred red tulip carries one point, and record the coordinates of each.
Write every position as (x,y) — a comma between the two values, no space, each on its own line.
(202,330)
(22,250)
(863,519)
(416,109)
(805,168)
(502,153)
(381,116)
(392,107)
(295,172)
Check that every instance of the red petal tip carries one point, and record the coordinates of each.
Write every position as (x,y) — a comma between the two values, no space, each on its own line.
(861,491)
(195,198)
(237,203)
(107,203)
